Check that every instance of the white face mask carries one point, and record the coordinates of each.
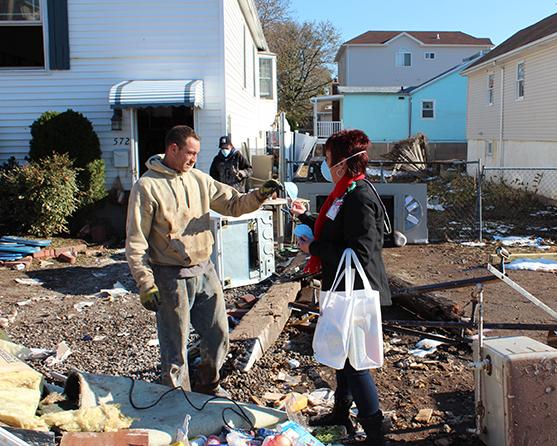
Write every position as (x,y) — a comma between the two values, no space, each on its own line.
(326,170)
(225,152)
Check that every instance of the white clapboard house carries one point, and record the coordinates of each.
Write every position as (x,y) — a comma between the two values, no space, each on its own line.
(135,69)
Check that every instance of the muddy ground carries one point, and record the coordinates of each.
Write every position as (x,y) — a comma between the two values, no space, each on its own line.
(112,336)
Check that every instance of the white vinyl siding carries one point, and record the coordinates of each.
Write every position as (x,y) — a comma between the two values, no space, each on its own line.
(106,49)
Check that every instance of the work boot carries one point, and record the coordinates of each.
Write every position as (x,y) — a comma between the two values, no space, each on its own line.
(340,416)
(373,427)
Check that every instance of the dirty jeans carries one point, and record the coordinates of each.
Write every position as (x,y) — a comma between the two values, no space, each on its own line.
(360,386)
(198,300)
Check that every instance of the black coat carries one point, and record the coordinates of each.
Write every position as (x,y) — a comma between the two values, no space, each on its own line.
(359,225)
(232,170)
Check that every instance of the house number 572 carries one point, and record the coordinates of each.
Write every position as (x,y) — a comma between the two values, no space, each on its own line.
(121,141)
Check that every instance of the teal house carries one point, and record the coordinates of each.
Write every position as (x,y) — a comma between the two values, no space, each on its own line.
(436,108)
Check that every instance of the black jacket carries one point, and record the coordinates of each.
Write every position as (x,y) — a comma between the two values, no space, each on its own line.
(232,170)
(358,225)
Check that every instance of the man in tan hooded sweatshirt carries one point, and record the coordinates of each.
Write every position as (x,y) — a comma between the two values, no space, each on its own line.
(168,248)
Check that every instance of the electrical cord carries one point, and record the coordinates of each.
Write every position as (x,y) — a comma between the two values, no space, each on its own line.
(241,413)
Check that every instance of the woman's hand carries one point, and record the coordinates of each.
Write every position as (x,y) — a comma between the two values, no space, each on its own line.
(303,244)
(297,208)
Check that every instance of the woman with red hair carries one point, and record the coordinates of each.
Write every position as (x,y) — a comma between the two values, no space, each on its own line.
(351,217)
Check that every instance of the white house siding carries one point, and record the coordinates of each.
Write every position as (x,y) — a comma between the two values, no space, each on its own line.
(112,41)
(375,65)
(247,116)
(529,130)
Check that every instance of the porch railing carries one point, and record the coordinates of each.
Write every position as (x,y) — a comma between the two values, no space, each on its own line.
(324,129)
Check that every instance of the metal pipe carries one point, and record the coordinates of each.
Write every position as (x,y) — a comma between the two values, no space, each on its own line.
(444,285)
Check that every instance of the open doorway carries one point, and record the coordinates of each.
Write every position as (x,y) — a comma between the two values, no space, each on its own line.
(152,125)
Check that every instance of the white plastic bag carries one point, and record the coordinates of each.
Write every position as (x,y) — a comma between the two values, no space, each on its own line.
(332,333)
(366,341)
(349,324)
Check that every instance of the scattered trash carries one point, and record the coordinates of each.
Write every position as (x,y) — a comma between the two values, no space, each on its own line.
(288,379)
(322,397)
(473,244)
(5,321)
(521,241)
(293,363)
(294,401)
(117,290)
(298,435)
(26,281)
(99,338)
(45,263)
(153,342)
(124,437)
(435,207)
(22,303)
(330,434)
(273,396)
(425,347)
(87,338)
(303,231)
(62,353)
(545,265)
(424,416)
(80,306)
(99,275)
(182,432)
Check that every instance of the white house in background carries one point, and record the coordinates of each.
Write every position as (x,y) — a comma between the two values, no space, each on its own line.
(512,100)
(403,58)
(135,70)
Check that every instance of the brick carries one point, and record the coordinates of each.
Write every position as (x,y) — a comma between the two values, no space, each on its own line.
(45,253)
(120,438)
(67,257)
(26,261)
(424,416)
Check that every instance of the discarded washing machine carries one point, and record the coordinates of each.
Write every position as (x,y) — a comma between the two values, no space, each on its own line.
(406,205)
(244,251)
(516,392)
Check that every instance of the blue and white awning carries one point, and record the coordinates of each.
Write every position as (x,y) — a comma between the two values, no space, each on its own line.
(155,93)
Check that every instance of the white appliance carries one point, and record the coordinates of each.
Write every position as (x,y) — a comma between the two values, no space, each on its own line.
(406,205)
(518,392)
(244,251)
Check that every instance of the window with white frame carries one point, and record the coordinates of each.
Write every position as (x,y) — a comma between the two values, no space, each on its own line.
(266,80)
(403,58)
(489,148)
(428,109)
(520,80)
(490,88)
(430,56)
(21,34)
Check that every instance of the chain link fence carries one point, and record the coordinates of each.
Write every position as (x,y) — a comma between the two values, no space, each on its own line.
(453,194)
(519,201)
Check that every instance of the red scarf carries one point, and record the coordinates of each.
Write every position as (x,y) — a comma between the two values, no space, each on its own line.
(314,264)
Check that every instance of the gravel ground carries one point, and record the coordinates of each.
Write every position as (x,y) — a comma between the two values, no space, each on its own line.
(112,336)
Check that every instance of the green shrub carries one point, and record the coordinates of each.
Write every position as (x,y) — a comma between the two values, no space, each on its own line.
(71,133)
(38,198)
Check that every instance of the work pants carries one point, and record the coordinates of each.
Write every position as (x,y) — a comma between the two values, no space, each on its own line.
(198,300)
(358,385)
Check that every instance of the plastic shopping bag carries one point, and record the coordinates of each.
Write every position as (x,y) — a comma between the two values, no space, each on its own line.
(332,333)
(366,340)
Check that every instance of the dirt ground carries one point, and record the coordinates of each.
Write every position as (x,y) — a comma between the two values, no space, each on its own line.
(117,336)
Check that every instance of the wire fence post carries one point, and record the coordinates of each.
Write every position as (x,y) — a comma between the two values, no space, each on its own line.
(479,191)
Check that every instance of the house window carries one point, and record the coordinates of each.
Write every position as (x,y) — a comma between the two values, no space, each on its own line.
(404,58)
(430,56)
(21,34)
(266,78)
(428,109)
(520,80)
(490,88)
(489,148)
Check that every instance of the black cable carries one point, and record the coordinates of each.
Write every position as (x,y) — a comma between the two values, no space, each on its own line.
(241,413)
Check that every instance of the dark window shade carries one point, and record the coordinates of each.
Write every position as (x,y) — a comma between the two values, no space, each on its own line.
(21,46)
(58,35)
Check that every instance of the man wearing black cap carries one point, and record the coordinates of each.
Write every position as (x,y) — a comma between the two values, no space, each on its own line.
(230,166)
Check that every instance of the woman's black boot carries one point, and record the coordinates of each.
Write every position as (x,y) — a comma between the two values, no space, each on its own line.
(340,416)
(373,427)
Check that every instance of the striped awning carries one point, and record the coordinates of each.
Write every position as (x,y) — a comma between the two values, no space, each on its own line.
(154,93)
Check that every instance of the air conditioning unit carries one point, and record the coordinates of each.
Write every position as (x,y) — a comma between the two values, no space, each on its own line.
(406,205)
(243,253)
(518,392)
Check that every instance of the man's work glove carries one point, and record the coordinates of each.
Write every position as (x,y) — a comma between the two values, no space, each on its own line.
(150,299)
(269,187)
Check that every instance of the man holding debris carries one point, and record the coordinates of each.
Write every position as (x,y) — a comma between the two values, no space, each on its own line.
(230,166)
(168,247)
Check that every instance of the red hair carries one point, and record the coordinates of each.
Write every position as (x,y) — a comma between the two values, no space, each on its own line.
(345,143)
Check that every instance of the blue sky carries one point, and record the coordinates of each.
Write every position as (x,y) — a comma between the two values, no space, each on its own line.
(496,19)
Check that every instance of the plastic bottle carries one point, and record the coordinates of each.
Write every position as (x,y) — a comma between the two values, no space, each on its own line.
(200,440)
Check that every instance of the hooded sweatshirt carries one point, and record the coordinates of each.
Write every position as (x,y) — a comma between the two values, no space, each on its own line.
(168,218)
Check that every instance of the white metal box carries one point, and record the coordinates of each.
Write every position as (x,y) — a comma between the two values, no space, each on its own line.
(244,251)
(518,392)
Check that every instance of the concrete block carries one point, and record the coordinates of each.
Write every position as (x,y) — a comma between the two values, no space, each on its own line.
(262,325)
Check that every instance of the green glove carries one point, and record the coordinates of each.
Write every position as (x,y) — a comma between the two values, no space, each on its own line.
(150,299)
(269,187)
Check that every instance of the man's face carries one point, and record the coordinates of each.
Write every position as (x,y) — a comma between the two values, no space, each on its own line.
(184,157)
